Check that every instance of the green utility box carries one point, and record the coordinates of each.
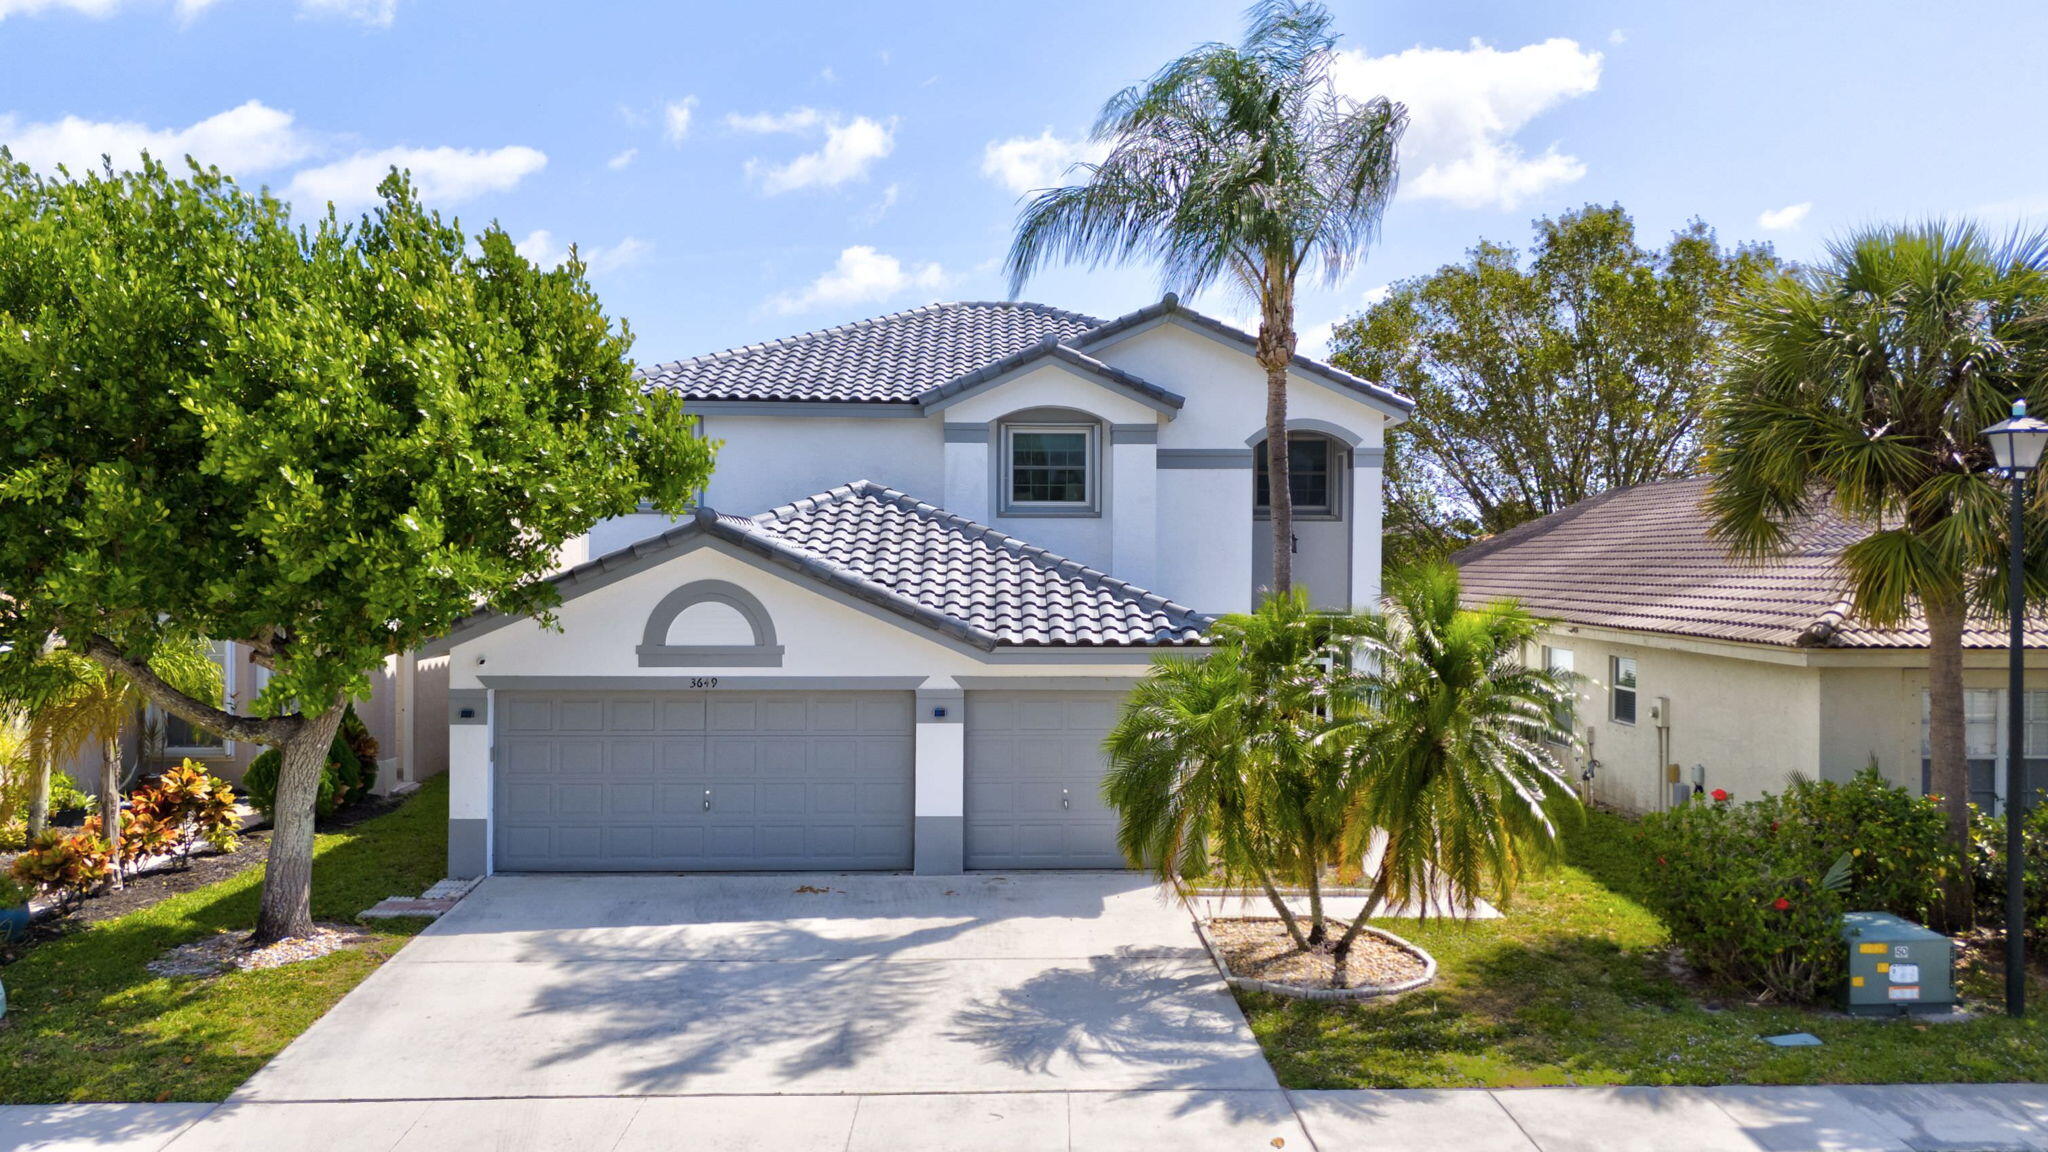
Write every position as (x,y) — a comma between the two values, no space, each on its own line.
(1896,967)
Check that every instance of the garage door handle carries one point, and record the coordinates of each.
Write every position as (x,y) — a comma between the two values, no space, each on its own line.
(707,799)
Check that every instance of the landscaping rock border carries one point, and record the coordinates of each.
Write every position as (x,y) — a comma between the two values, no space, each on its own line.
(1297,992)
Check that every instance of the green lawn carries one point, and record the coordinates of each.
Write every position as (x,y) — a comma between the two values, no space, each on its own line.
(87,1021)
(1572,989)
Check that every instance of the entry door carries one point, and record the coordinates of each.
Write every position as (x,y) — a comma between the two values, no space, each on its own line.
(703,781)
(1034,780)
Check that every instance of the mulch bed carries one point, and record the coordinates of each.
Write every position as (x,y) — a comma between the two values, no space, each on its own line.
(230,951)
(140,892)
(1261,949)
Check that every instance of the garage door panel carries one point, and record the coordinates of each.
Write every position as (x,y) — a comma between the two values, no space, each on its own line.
(1034,780)
(795,780)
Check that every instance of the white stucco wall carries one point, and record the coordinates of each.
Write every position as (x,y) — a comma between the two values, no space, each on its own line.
(771,460)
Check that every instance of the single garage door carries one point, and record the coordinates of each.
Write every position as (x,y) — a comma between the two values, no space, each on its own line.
(1034,780)
(703,781)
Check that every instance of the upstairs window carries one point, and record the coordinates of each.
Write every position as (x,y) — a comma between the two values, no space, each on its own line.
(1049,469)
(1311,477)
(1622,689)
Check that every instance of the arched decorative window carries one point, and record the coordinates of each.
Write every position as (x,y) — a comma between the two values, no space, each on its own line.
(709,623)
(1317,459)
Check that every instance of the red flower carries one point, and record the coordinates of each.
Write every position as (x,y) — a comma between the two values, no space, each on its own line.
(1720,795)
(1782,904)
(1661,860)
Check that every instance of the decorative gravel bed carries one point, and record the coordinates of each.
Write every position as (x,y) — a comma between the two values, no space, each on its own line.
(1259,953)
(230,951)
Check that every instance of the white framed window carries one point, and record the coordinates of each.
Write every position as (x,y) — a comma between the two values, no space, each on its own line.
(181,737)
(1984,724)
(1621,691)
(1560,661)
(1050,470)
(1314,477)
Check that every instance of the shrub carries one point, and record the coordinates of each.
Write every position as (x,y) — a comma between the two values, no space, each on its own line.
(13,893)
(1987,867)
(357,735)
(1746,889)
(66,795)
(341,781)
(70,865)
(184,808)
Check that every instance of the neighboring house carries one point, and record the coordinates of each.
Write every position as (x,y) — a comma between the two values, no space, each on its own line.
(945,543)
(1731,674)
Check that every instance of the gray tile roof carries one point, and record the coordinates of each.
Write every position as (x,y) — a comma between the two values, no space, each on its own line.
(1640,558)
(990,588)
(894,358)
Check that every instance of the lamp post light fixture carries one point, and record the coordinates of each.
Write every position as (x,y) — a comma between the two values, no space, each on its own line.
(2016,444)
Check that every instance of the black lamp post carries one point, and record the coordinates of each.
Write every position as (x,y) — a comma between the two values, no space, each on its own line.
(2017,444)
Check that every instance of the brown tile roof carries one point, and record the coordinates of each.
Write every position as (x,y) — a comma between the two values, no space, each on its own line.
(1640,558)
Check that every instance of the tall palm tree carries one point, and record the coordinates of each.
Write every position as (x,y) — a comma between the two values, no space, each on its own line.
(1215,764)
(1861,385)
(1234,163)
(75,701)
(1453,773)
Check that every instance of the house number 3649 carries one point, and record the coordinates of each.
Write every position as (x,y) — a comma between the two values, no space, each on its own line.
(703,681)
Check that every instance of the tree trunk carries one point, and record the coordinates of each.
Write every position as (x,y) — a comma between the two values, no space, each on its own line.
(110,803)
(1340,956)
(1275,353)
(1949,769)
(1286,913)
(286,911)
(38,788)
(1318,929)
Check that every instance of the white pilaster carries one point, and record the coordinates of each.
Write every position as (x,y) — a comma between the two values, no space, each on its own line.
(1367,525)
(941,789)
(967,472)
(1134,512)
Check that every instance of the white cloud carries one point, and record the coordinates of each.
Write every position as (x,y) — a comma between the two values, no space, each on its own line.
(622,159)
(541,247)
(880,208)
(376,13)
(1617,36)
(249,138)
(675,118)
(862,276)
(1027,163)
(1375,295)
(443,175)
(851,147)
(1781,219)
(1465,109)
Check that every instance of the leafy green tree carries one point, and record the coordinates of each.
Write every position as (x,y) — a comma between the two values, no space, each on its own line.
(1216,765)
(1861,386)
(1540,383)
(1454,782)
(327,443)
(1240,164)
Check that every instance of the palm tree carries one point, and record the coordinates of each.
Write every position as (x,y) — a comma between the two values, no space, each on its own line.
(1452,771)
(74,701)
(1237,163)
(1861,386)
(1215,765)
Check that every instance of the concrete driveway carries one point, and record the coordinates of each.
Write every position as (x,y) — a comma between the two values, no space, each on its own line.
(1047,1006)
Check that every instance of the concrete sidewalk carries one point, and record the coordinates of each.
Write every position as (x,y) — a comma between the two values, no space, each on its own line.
(1939,1118)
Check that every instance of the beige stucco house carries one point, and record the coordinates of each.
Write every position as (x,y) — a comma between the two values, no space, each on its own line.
(1699,670)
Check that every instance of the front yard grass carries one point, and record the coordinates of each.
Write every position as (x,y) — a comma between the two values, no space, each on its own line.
(1573,988)
(87,1021)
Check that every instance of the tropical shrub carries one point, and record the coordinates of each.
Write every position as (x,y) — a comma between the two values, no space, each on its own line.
(13,893)
(66,795)
(1754,892)
(71,866)
(356,735)
(1987,868)
(185,808)
(341,781)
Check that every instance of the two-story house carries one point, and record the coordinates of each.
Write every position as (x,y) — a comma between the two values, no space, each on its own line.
(938,548)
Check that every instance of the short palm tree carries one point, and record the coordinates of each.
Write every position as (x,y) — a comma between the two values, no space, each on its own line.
(1861,386)
(74,701)
(1216,766)
(1240,164)
(1452,767)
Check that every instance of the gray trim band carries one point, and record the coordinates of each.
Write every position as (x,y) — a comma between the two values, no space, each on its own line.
(1134,433)
(966,433)
(1334,431)
(707,656)
(1205,458)
(1369,457)
(872,410)
(475,700)
(742,683)
(469,841)
(1046,683)
(655,651)
(939,847)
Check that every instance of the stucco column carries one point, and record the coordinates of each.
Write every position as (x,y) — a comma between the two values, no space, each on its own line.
(469,782)
(1134,504)
(1367,517)
(941,803)
(967,471)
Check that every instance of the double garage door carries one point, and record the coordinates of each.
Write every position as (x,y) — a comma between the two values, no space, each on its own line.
(770,781)
(711,781)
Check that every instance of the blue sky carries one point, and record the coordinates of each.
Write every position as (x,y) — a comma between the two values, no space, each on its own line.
(738,172)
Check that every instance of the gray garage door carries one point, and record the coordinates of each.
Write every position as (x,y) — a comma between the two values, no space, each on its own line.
(710,781)
(1034,780)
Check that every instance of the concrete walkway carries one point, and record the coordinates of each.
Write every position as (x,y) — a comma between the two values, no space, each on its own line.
(1948,1118)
